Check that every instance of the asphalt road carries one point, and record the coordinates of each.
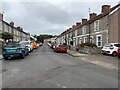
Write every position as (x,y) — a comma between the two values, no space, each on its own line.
(43,68)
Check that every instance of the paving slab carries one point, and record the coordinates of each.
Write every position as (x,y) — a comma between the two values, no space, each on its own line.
(107,61)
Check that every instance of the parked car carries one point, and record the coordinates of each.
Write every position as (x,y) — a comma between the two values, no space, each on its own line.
(60,48)
(40,44)
(15,50)
(28,44)
(110,48)
(34,45)
(118,52)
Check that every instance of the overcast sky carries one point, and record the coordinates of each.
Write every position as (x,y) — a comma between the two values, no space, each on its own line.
(49,16)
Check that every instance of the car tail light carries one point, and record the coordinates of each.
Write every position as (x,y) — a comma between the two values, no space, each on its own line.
(119,50)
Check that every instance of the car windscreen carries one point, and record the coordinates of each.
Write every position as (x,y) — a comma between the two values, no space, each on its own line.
(117,45)
(12,45)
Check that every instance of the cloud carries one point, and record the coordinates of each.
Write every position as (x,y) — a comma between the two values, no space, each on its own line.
(47,16)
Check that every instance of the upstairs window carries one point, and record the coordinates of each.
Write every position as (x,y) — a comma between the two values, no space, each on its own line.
(96,25)
(83,30)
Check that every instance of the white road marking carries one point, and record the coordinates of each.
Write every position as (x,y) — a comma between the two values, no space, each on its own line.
(84,84)
(58,85)
(64,87)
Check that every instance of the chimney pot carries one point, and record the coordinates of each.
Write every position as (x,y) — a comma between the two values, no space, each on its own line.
(78,23)
(84,21)
(1,16)
(73,26)
(92,15)
(12,24)
(105,8)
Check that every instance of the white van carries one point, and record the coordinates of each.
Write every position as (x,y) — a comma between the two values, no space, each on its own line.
(28,44)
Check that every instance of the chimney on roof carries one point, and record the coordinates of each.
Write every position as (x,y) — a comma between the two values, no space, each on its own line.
(105,8)
(92,15)
(12,24)
(18,27)
(84,21)
(78,23)
(73,26)
(1,16)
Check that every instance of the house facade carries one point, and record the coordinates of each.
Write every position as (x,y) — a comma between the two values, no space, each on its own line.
(114,25)
(17,32)
(1,19)
(99,29)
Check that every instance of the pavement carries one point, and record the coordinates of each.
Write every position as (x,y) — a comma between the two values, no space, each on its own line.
(44,68)
(99,59)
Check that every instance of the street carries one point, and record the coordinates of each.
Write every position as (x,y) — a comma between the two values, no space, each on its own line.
(43,68)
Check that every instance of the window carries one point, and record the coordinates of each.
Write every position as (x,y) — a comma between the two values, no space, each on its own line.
(117,45)
(91,39)
(14,30)
(5,28)
(10,29)
(99,40)
(84,30)
(96,25)
(85,39)
(80,40)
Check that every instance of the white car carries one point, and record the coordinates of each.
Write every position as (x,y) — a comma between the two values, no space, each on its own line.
(28,44)
(110,48)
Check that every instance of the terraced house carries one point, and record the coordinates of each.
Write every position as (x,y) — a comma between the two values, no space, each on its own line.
(1,19)
(17,32)
(99,29)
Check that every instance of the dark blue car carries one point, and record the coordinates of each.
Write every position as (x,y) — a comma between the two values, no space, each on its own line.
(15,50)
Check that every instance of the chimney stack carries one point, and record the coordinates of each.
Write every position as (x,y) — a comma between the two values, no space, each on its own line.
(105,8)
(12,24)
(78,23)
(92,15)
(1,16)
(84,21)
(18,28)
(73,26)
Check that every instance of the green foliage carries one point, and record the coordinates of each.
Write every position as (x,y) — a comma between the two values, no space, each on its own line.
(7,36)
(41,38)
(88,44)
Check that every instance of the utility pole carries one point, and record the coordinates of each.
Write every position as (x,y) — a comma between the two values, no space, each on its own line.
(89,26)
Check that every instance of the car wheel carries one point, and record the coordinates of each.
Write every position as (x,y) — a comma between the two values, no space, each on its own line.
(119,56)
(6,58)
(114,53)
(23,56)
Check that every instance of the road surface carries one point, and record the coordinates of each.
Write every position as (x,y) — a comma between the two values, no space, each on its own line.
(43,68)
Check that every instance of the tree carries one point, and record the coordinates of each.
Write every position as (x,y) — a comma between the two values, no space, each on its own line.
(41,38)
(7,36)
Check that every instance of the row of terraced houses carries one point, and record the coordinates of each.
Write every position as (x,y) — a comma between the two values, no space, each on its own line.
(18,33)
(99,29)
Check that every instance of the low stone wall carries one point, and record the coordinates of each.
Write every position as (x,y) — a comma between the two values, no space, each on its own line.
(89,50)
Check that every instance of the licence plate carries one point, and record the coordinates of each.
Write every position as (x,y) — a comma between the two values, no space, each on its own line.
(11,50)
